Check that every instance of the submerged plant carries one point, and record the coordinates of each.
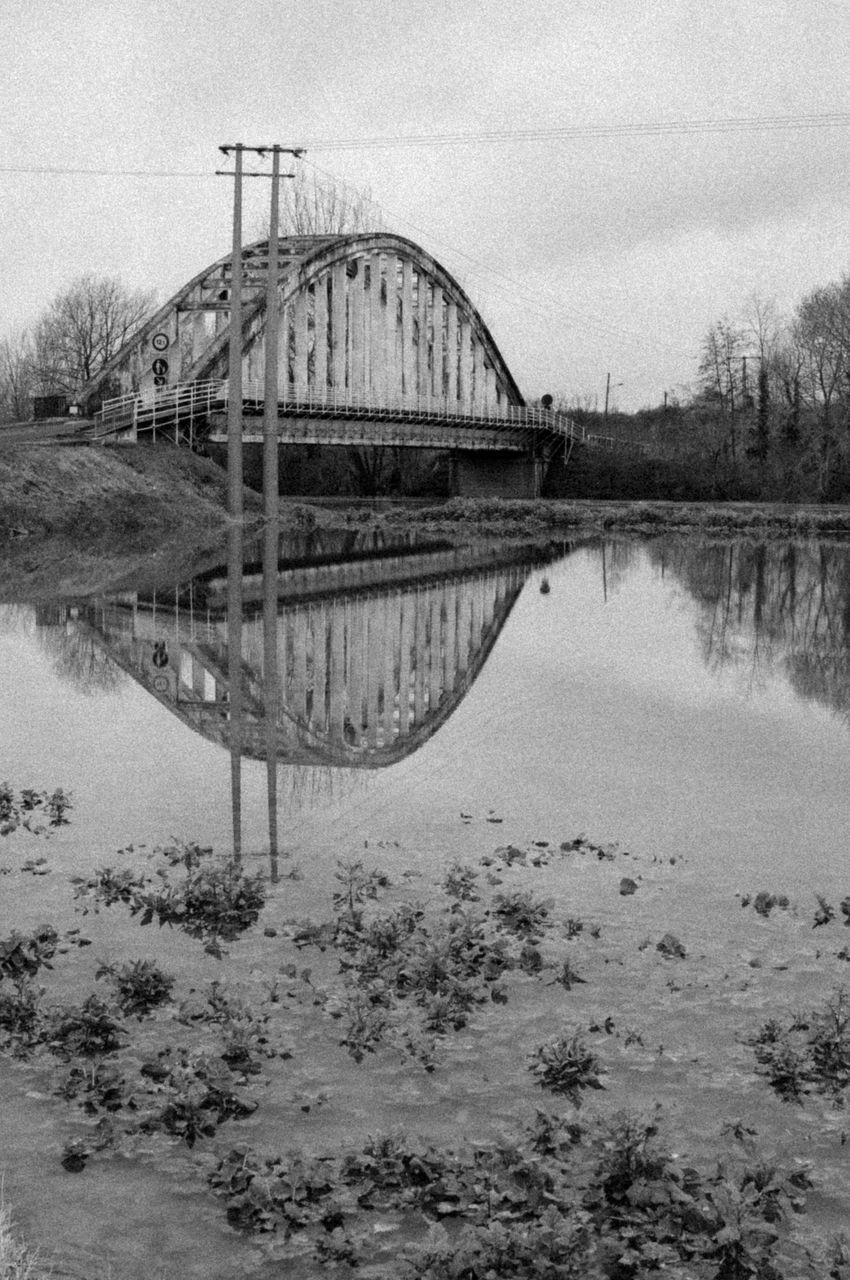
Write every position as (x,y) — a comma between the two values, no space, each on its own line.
(566,1065)
(140,985)
(24,809)
(604,1200)
(522,914)
(809,1054)
(85,1030)
(208,901)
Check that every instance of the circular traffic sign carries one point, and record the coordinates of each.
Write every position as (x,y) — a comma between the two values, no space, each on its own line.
(160,366)
(159,342)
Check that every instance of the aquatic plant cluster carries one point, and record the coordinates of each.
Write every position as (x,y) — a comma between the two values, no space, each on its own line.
(138,1059)
(27,808)
(602,1200)
(213,901)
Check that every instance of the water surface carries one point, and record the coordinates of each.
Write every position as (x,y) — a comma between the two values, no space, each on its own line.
(427,703)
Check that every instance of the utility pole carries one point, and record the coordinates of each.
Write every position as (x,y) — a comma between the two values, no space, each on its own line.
(270,394)
(234,399)
(607,393)
(234,392)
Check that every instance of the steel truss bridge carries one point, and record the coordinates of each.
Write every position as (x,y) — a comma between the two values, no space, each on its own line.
(377,344)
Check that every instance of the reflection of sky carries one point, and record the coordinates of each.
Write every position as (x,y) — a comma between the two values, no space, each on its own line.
(587,716)
(646,636)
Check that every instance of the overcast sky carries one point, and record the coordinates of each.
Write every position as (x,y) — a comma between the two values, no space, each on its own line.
(584,255)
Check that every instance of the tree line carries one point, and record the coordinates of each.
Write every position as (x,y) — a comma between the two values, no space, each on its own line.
(768,418)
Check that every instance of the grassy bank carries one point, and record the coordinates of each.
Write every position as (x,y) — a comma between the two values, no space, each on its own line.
(134,491)
(546,515)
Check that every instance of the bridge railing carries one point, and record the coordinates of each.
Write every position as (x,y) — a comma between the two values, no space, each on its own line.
(179,408)
(175,409)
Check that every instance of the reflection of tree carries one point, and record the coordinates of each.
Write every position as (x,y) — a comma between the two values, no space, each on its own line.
(770,605)
(80,658)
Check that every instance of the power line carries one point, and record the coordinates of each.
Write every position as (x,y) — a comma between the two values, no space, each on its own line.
(107,173)
(646,128)
(564,133)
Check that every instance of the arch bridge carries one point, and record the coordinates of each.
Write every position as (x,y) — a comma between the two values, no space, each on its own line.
(377,344)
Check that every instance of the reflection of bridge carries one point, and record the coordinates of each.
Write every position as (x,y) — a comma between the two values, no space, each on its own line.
(377,344)
(370,662)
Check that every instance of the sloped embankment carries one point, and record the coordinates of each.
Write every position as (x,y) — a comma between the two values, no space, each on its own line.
(137,493)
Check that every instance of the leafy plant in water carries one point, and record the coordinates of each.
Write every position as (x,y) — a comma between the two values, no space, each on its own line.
(459,882)
(812,1052)
(22,955)
(521,914)
(287,1194)
(85,1030)
(140,985)
(24,809)
(21,1014)
(209,901)
(566,1065)
(357,885)
(604,1200)
(97,1086)
(199,1095)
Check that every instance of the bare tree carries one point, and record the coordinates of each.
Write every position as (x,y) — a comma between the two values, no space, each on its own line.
(314,204)
(720,372)
(82,329)
(16,378)
(822,332)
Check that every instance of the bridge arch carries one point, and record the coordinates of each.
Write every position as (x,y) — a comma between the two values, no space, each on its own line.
(371,316)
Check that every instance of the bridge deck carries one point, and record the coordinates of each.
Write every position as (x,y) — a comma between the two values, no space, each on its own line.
(336,419)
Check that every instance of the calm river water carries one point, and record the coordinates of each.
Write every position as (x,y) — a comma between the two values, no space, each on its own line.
(690,701)
(671,695)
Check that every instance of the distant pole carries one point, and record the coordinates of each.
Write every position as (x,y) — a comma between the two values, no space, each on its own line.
(234,398)
(607,393)
(270,394)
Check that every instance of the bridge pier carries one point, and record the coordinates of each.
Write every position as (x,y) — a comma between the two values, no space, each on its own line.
(493,474)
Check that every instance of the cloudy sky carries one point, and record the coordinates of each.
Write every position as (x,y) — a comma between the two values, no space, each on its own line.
(586,255)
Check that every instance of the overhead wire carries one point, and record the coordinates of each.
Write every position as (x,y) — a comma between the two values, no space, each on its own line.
(563,133)
(614,129)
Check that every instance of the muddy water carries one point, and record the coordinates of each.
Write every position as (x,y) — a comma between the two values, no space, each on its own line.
(690,702)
